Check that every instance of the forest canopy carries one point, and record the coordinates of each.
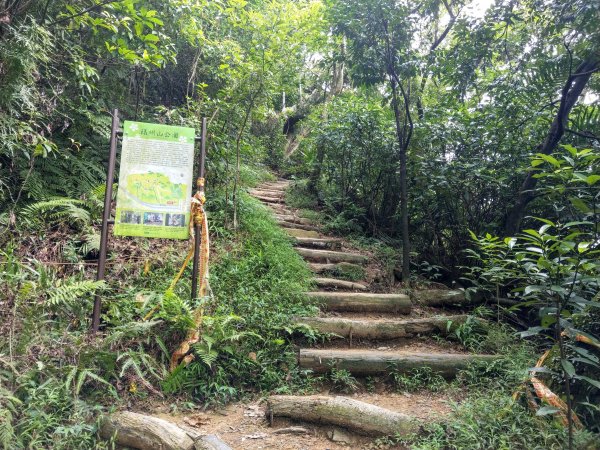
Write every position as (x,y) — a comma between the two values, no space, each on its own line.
(457,141)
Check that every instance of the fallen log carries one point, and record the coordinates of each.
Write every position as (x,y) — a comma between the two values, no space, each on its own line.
(383,328)
(334,283)
(144,432)
(440,297)
(367,302)
(354,415)
(374,362)
(329,256)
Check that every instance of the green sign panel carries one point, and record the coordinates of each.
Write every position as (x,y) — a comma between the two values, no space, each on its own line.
(155,181)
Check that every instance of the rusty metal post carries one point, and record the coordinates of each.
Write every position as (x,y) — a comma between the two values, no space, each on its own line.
(198,227)
(112,156)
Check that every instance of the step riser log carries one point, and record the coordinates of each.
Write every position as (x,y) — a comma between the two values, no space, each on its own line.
(332,283)
(363,302)
(301,226)
(292,219)
(298,233)
(383,329)
(376,363)
(264,199)
(318,243)
(331,256)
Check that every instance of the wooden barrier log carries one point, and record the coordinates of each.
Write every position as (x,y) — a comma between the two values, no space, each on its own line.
(354,415)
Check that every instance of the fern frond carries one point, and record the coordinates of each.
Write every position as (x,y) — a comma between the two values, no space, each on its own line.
(57,210)
(71,291)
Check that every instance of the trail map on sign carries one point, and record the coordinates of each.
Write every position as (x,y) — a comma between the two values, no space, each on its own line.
(155,181)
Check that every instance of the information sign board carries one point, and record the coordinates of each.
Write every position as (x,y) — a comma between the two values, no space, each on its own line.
(155,181)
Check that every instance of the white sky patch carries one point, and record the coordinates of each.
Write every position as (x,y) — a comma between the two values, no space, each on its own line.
(477,8)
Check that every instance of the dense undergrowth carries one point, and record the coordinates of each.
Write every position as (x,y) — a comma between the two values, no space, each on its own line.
(55,378)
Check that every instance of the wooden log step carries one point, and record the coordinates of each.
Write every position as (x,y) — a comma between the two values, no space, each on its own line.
(305,234)
(302,226)
(320,268)
(319,242)
(367,302)
(330,256)
(441,297)
(376,362)
(292,219)
(267,193)
(354,415)
(382,329)
(274,185)
(334,283)
(265,199)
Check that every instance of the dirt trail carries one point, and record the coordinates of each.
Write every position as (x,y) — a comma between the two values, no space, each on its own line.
(252,426)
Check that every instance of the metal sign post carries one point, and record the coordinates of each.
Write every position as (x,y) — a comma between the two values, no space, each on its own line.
(110,178)
(197,226)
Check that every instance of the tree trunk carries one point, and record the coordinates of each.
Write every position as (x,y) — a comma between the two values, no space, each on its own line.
(355,415)
(571,91)
(403,143)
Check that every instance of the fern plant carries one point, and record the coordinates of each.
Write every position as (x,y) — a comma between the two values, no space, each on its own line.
(220,335)
(9,406)
(65,293)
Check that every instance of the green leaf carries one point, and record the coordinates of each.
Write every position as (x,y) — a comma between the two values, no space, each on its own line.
(591,381)
(568,367)
(592,179)
(550,159)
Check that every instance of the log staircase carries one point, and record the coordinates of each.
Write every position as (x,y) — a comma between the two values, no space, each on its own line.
(361,319)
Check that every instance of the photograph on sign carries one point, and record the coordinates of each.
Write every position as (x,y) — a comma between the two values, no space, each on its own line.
(155,181)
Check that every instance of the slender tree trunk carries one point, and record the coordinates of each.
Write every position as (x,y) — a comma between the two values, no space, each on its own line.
(403,142)
(571,91)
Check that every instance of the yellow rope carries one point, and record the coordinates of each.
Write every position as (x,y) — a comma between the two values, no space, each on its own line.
(198,218)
